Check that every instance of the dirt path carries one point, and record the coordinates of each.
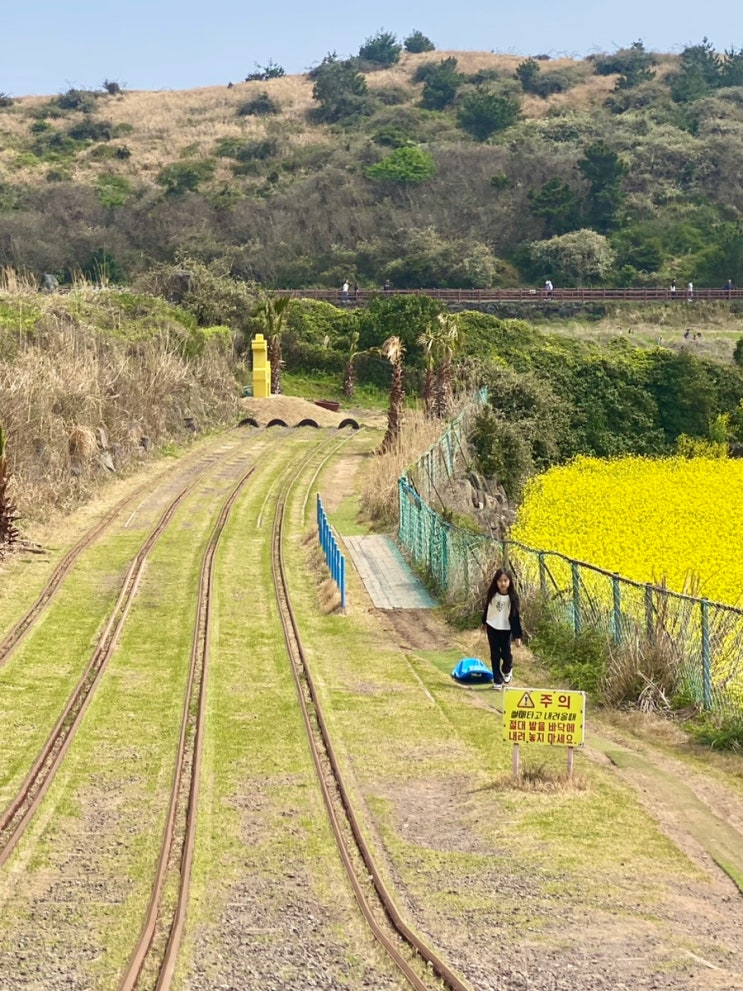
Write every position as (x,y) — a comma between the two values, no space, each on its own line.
(700,813)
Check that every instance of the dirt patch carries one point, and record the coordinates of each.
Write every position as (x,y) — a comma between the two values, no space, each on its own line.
(415,629)
(292,411)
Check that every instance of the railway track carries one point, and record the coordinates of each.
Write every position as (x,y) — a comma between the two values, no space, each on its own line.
(18,813)
(155,954)
(195,464)
(427,969)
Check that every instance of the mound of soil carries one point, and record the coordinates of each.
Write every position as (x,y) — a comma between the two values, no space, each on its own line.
(292,410)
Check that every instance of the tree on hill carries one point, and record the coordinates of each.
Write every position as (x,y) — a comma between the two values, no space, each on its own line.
(604,170)
(441,83)
(382,49)
(483,114)
(557,205)
(579,258)
(340,89)
(417,42)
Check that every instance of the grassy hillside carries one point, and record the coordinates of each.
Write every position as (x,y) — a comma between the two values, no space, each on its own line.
(440,169)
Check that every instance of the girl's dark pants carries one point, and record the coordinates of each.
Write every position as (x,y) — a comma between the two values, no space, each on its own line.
(500,652)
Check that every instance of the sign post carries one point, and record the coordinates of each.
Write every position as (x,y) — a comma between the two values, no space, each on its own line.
(551,717)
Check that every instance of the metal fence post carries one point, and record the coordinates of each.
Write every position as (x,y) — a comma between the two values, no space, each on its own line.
(577,624)
(649,623)
(706,656)
(616,616)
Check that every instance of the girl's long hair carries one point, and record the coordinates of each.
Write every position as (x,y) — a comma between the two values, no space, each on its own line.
(513,595)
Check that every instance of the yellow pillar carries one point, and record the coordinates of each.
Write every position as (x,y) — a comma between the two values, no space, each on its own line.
(261,368)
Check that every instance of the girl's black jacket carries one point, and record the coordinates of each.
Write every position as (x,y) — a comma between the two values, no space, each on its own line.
(514,618)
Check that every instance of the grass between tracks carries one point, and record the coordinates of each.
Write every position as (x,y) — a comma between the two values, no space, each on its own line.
(264,842)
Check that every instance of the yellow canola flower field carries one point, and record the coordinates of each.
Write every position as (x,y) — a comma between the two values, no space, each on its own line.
(677,521)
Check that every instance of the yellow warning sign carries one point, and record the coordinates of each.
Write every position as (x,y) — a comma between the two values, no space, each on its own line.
(555,718)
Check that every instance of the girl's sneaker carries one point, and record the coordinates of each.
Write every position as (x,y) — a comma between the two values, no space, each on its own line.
(507,675)
(497,685)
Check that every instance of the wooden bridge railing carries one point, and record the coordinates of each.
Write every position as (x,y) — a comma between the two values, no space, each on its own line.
(362,296)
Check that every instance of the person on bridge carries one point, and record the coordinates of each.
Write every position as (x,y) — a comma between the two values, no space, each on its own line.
(501,618)
(344,292)
(548,288)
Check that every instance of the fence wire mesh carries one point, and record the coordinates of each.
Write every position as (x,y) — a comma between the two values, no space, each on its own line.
(703,639)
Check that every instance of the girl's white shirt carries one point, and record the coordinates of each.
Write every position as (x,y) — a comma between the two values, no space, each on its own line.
(499,609)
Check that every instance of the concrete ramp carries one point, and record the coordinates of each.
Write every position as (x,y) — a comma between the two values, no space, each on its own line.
(386,575)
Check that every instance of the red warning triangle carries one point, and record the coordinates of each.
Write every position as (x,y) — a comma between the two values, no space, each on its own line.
(525,702)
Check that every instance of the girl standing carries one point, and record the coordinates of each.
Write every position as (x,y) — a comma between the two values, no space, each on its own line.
(502,623)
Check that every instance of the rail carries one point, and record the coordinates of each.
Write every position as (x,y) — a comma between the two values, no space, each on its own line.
(522,295)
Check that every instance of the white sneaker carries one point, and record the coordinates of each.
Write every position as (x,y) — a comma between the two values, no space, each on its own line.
(507,677)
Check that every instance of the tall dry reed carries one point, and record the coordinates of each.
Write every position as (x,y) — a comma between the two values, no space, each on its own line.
(379,494)
(79,405)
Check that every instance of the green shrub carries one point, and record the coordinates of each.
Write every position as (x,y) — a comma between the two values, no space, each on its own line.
(113,190)
(54,145)
(391,137)
(381,49)
(416,42)
(6,100)
(101,267)
(629,62)
(260,106)
(91,130)
(483,114)
(265,72)
(409,165)
(247,151)
(738,352)
(441,85)
(500,181)
(340,90)
(77,99)
(721,731)
(392,96)
(182,177)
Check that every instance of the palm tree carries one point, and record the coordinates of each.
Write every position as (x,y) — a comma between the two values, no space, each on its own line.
(349,370)
(271,312)
(427,340)
(393,351)
(448,339)
(439,341)
(8,515)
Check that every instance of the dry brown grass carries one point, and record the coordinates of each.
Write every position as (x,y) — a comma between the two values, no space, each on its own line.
(74,402)
(172,124)
(169,125)
(543,780)
(379,492)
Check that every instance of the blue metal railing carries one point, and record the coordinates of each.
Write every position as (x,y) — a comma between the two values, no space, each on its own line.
(335,560)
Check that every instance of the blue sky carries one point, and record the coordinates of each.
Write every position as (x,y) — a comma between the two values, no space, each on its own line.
(163,44)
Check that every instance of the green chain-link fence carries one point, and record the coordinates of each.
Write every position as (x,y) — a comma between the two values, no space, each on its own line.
(704,639)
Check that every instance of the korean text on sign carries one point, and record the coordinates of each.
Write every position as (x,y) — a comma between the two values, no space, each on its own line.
(538,715)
